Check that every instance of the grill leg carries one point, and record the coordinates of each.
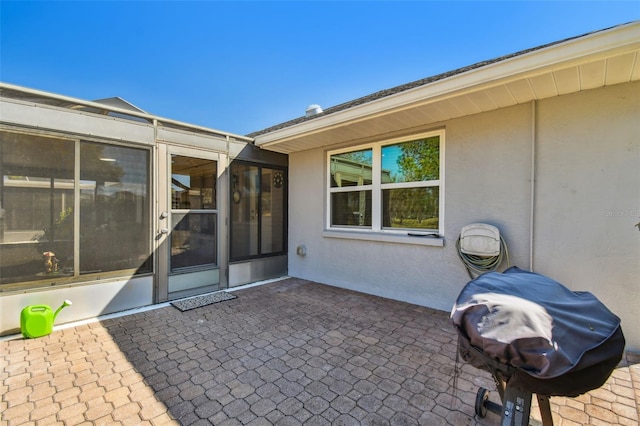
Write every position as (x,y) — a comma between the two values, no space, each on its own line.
(545,410)
(501,383)
(516,407)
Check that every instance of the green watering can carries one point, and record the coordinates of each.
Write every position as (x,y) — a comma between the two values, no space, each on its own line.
(37,320)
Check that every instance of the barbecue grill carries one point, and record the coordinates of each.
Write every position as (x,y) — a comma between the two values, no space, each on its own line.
(534,336)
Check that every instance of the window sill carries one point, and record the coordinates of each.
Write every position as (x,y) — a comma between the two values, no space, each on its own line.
(387,238)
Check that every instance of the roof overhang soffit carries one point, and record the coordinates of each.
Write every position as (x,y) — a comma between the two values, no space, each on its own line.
(596,60)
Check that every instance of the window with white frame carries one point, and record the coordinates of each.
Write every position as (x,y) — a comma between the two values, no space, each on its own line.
(392,186)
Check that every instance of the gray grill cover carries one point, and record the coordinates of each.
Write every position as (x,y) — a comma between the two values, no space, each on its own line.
(558,341)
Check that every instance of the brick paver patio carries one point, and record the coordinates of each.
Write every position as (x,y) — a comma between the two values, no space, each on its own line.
(287,353)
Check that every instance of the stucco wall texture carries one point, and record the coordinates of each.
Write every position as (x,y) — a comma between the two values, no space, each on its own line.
(575,224)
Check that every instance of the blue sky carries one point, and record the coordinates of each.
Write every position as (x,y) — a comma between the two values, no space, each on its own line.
(243,66)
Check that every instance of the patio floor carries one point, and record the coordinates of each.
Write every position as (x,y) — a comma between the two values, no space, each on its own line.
(290,352)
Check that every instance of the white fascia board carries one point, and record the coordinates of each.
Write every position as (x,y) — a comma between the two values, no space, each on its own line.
(573,52)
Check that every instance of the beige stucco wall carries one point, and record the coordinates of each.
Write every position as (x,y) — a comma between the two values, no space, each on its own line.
(588,197)
(587,171)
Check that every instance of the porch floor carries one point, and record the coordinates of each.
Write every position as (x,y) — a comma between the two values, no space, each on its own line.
(290,352)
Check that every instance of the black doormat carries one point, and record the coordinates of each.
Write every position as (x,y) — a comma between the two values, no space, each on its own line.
(200,301)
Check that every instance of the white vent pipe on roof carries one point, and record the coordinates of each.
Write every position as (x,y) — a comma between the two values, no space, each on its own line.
(313,109)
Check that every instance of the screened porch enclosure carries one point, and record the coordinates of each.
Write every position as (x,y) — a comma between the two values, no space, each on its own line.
(257,210)
(115,208)
(71,208)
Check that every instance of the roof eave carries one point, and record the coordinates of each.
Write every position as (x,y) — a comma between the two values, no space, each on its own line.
(588,48)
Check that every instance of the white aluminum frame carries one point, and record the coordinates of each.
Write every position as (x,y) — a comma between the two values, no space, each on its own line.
(377,186)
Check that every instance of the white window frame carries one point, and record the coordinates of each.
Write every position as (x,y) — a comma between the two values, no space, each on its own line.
(377,232)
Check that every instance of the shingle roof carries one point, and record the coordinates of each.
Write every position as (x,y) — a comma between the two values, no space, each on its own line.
(408,86)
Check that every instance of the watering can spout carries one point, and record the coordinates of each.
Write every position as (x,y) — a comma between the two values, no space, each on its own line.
(64,305)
